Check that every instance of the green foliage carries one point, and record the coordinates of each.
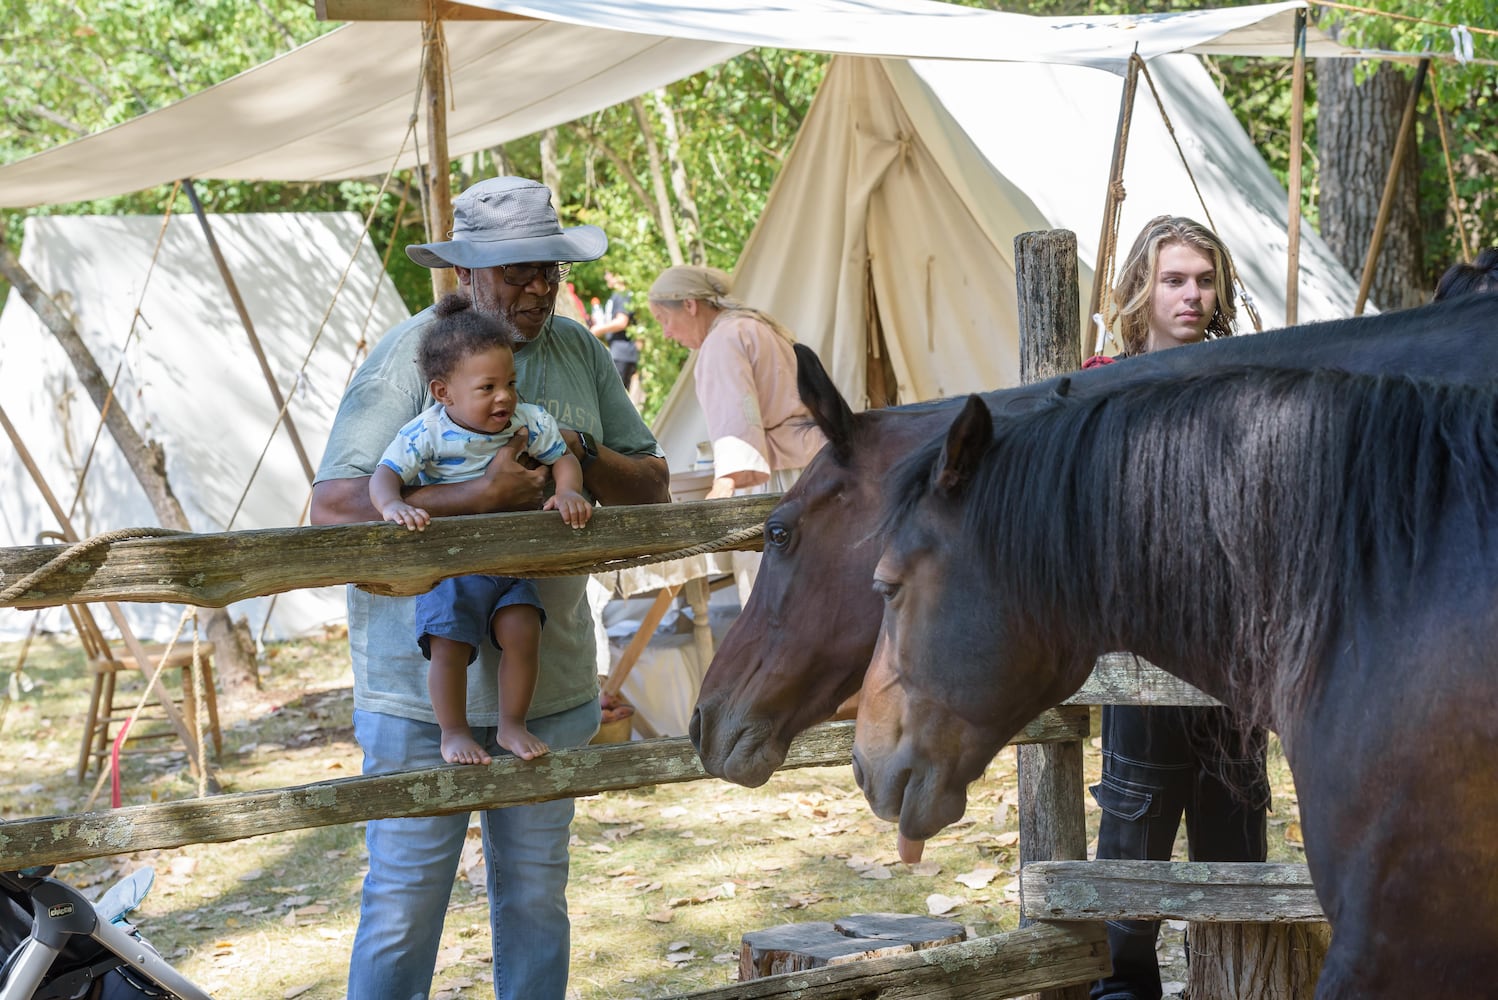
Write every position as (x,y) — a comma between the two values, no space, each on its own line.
(1467,96)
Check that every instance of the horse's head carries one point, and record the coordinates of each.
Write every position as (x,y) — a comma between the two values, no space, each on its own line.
(803,641)
(955,674)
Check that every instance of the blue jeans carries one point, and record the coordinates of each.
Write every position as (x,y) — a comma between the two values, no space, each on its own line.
(413,861)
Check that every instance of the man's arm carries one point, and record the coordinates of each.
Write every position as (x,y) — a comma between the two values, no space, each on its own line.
(619,480)
(618,323)
(505,485)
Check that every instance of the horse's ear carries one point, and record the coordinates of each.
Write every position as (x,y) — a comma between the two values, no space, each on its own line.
(828,408)
(968,440)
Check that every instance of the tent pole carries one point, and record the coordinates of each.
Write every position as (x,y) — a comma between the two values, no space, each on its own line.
(249,329)
(1386,203)
(439,174)
(1115,196)
(1297,137)
(142,658)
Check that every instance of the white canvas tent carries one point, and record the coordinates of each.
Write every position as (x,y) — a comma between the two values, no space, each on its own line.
(190,380)
(339,105)
(909,181)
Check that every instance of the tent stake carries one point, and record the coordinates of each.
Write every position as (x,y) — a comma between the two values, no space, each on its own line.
(249,329)
(1386,203)
(1297,137)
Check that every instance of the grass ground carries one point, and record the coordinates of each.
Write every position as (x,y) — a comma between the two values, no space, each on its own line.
(664,880)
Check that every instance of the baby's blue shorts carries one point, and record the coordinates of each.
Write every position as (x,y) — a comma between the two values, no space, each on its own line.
(461,608)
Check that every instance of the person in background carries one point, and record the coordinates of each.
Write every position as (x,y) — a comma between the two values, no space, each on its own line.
(509,251)
(1160,763)
(611,325)
(1467,279)
(762,434)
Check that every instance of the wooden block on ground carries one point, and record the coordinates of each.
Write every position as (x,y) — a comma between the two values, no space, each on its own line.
(812,945)
(911,928)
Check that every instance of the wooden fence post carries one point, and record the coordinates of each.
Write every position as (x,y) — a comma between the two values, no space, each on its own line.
(1052,826)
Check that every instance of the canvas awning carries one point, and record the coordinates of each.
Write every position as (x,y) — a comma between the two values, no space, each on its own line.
(340,105)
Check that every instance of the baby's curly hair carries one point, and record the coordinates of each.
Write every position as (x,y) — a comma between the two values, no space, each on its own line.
(459,332)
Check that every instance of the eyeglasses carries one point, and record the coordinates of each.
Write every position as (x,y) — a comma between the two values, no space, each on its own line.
(521,275)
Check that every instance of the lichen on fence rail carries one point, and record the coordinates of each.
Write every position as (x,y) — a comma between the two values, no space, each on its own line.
(214,570)
(423,792)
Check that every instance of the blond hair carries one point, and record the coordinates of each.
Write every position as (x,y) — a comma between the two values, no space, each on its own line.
(1136,279)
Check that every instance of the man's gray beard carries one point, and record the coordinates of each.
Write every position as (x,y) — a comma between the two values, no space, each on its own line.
(522,339)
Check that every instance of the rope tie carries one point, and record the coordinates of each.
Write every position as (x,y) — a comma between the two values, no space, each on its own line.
(75,552)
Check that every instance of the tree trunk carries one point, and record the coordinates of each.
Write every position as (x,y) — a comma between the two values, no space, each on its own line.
(1357,130)
(499,161)
(658,182)
(551,174)
(236,661)
(686,205)
(1255,961)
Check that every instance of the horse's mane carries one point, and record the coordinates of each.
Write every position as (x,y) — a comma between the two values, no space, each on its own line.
(1228,514)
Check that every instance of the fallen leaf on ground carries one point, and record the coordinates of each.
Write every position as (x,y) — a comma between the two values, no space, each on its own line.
(660,917)
(978,877)
(938,904)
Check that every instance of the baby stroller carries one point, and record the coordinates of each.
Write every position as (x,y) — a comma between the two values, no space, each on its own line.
(60,946)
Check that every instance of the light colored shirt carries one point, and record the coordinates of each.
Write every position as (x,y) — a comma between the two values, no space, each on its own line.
(567,372)
(433,449)
(746,385)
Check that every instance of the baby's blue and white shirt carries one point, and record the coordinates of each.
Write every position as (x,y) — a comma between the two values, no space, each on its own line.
(432,449)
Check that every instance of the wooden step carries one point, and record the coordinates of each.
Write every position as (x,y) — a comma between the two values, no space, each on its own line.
(1201,891)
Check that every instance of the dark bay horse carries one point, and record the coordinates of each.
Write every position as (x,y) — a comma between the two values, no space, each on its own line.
(806,635)
(1317,549)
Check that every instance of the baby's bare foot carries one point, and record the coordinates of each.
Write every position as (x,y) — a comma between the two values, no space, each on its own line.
(462,748)
(520,742)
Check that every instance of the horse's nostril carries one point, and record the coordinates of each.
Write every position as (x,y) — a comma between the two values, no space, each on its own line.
(694,728)
(857,769)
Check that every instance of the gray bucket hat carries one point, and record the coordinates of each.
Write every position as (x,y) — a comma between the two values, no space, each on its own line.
(508,220)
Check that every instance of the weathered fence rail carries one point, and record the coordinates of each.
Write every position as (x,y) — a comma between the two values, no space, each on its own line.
(213,570)
(422,792)
(987,968)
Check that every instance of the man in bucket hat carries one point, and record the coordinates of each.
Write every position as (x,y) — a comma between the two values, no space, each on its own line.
(511,254)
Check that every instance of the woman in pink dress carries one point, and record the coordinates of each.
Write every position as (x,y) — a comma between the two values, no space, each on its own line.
(762,435)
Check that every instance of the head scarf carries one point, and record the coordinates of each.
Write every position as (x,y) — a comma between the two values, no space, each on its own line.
(708,284)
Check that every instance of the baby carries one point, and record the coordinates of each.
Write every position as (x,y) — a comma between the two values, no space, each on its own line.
(468,360)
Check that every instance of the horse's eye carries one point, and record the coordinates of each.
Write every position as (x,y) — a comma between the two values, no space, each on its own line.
(778,535)
(885,589)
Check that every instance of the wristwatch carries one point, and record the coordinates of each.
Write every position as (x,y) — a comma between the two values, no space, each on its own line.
(589,446)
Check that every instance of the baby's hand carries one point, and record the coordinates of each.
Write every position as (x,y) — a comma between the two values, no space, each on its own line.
(414,518)
(574,507)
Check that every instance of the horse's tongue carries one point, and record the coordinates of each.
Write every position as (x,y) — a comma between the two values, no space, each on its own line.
(910,850)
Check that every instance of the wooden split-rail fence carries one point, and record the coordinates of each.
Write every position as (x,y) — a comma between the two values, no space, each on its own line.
(1256,926)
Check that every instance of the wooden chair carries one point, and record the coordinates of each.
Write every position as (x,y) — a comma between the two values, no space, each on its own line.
(109,706)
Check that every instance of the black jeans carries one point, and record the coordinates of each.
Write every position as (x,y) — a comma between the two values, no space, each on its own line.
(1158,764)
